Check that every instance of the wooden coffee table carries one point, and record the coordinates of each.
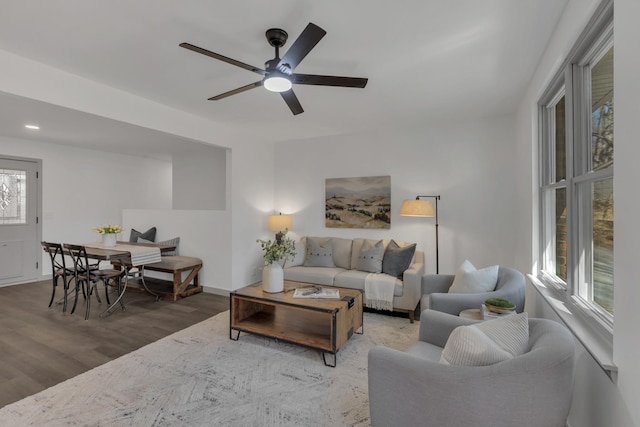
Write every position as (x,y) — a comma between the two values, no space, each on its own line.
(322,324)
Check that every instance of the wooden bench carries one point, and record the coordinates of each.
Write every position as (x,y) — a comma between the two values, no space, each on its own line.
(176,265)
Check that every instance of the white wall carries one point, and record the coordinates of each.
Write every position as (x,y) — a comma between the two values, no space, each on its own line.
(84,188)
(597,400)
(469,163)
(203,234)
(626,352)
(200,178)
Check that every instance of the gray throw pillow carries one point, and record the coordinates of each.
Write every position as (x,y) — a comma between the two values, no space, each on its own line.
(370,258)
(319,252)
(397,259)
(149,235)
(171,242)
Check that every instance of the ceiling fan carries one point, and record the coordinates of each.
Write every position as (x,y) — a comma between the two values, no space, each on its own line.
(278,73)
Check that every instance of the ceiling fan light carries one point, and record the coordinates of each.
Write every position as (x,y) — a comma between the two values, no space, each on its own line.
(277,84)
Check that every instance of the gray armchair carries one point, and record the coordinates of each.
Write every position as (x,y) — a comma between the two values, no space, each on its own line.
(413,389)
(435,296)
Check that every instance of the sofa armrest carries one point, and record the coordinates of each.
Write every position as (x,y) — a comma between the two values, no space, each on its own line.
(411,279)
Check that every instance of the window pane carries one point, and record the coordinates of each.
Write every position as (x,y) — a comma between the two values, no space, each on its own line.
(603,244)
(561,233)
(561,154)
(602,112)
(13,196)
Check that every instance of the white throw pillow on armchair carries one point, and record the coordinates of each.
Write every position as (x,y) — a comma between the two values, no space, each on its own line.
(470,280)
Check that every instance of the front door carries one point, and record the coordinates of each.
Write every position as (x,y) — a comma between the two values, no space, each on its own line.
(19,247)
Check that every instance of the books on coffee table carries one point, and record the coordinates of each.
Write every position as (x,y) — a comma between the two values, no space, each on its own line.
(316,292)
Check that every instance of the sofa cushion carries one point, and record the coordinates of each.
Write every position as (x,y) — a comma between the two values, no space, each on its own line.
(397,259)
(341,252)
(319,252)
(487,343)
(316,275)
(470,280)
(370,258)
(354,279)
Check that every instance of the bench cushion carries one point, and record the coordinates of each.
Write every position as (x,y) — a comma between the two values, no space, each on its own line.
(174,263)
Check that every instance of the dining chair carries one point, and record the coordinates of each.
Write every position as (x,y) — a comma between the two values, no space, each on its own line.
(59,271)
(86,276)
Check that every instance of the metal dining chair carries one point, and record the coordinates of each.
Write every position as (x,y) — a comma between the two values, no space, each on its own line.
(59,271)
(86,276)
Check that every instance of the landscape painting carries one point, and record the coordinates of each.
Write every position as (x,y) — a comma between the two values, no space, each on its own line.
(363,202)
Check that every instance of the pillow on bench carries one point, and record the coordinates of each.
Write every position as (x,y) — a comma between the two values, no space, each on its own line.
(171,242)
(149,235)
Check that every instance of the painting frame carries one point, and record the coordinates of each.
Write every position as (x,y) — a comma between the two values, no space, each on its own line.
(358,202)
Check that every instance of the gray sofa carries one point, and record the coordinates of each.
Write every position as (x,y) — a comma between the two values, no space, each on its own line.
(531,390)
(435,296)
(344,274)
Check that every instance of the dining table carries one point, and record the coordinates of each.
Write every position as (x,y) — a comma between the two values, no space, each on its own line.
(129,256)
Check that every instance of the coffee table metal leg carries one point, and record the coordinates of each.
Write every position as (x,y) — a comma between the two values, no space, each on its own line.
(231,335)
(335,359)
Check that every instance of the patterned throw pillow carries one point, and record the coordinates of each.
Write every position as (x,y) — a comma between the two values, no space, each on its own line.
(171,242)
(319,252)
(370,258)
(487,342)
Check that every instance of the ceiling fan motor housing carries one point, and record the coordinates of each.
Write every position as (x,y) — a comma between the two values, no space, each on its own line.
(277,37)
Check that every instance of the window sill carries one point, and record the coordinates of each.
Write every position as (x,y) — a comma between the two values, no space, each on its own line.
(595,338)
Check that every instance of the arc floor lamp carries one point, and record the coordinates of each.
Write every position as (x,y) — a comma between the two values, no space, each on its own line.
(423,208)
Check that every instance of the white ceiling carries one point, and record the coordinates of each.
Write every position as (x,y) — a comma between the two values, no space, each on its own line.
(426,61)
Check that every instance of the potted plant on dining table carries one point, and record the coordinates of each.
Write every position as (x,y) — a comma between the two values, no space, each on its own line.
(275,252)
(109,233)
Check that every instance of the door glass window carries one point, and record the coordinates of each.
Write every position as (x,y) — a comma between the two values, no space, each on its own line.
(13,196)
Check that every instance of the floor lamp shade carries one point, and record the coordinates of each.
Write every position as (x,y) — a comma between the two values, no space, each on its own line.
(425,209)
(420,208)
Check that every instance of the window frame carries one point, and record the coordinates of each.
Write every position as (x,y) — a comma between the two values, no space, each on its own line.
(573,82)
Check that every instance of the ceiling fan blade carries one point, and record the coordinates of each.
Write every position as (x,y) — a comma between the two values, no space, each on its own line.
(223,58)
(312,79)
(306,41)
(235,91)
(292,101)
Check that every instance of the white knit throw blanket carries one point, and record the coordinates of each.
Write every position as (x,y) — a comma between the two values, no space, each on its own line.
(378,291)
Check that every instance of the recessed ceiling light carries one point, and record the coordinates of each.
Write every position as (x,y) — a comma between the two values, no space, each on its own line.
(34,127)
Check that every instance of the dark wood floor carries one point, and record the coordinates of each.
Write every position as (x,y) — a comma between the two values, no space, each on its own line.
(41,346)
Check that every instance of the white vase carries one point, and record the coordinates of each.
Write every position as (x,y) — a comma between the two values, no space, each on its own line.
(272,278)
(109,240)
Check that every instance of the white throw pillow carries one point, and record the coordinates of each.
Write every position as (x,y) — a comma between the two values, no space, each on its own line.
(470,280)
(487,342)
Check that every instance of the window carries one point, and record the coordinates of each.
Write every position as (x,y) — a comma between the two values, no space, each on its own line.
(13,196)
(576,174)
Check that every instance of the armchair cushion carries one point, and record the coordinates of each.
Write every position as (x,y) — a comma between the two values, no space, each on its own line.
(488,342)
(470,280)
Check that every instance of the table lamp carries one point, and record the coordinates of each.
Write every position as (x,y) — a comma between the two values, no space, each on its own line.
(279,223)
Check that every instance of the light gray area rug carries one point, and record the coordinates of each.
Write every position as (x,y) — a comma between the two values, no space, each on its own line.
(199,377)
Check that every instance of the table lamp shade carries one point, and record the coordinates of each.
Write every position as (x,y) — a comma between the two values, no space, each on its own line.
(280,222)
(421,208)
